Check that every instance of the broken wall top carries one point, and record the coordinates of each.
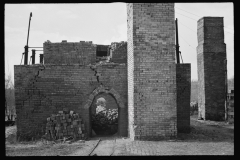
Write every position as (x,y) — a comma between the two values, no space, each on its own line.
(210,30)
(82,53)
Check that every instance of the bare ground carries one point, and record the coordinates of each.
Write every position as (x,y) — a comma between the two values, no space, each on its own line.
(206,137)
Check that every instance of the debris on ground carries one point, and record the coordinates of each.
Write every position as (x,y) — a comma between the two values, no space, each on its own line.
(10,134)
(219,137)
(105,122)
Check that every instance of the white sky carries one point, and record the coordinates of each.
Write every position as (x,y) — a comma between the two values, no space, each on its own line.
(102,23)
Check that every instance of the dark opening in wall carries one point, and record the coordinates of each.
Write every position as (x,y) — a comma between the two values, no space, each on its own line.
(102,51)
(104,116)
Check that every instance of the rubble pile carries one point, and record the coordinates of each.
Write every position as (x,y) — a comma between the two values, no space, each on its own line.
(105,121)
(64,124)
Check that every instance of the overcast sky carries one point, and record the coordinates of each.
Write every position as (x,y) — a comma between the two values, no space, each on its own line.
(102,24)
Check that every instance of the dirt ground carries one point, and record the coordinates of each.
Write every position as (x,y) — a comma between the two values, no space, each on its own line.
(217,134)
(208,131)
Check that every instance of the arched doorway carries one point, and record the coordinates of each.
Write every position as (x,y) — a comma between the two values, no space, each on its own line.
(122,110)
(104,115)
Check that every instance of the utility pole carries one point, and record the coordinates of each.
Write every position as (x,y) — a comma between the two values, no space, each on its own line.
(226,90)
(26,47)
(177,46)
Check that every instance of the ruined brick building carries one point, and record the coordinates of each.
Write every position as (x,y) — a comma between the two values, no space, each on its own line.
(151,91)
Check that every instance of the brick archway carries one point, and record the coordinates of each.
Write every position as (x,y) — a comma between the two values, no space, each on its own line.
(122,109)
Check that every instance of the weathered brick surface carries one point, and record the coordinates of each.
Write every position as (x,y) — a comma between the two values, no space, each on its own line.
(183,72)
(152,71)
(119,52)
(44,90)
(211,56)
(130,70)
(69,53)
(141,79)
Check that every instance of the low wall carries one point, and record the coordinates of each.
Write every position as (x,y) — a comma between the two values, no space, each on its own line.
(42,90)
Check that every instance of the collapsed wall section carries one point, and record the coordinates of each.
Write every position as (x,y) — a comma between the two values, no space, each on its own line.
(42,90)
(183,72)
(69,52)
(151,71)
(212,66)
(119,52)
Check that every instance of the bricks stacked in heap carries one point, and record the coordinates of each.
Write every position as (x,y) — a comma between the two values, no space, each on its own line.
(119,52)
(64,124)
(69,53)
(183,72)
(211,56)
(44,90)
(151,71)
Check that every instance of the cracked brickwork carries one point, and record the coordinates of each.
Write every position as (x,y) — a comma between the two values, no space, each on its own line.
(152,71)
(211,56)
(141,79)
(42,90)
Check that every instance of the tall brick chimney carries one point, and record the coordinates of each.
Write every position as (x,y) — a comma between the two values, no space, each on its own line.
(151,71)
(211,62)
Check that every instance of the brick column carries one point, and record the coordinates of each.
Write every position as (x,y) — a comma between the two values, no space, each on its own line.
(183,97)
(211,56)
(151,71)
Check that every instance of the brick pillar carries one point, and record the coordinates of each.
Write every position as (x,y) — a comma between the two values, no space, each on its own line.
(151,71)
(211,56)
(183,97)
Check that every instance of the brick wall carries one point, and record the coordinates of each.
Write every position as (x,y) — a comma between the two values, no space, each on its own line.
(130,69)
(119,52)
(69,53)
(211,56)
(151,71)
(44,90)
(183,72)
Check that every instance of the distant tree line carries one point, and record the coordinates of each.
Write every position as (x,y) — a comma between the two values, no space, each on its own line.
(9,97)
(194,88)
(10,93)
